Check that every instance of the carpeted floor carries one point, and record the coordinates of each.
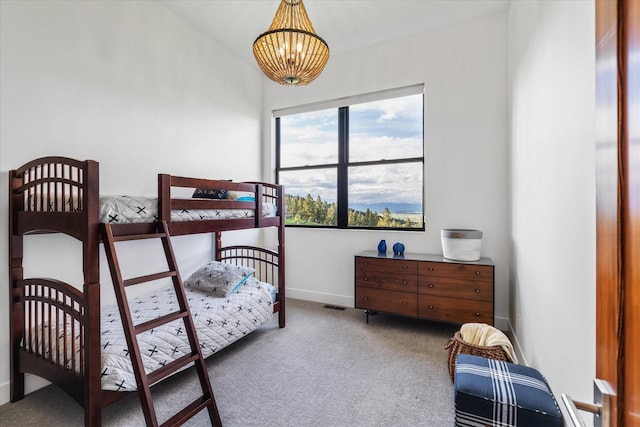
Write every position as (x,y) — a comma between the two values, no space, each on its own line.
(326,368)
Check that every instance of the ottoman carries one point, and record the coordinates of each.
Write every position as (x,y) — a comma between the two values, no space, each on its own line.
(492,392)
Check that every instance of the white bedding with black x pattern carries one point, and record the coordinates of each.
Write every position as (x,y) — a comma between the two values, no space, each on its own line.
(219,322)
(133,209)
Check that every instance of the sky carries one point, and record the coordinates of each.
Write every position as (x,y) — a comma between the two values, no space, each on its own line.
(387,129)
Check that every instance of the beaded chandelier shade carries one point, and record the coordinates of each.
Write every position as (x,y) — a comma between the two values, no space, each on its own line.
(290,52)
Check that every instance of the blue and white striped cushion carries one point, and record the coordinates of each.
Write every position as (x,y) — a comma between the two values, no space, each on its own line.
(495,393)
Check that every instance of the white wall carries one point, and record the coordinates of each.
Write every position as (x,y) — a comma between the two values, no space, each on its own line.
(131,85)
(552,178)
(464,70)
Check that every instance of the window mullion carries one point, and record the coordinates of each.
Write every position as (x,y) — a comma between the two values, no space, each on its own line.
(343,160)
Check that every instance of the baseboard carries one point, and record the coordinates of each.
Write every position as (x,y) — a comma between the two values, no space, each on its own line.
(522,360)
(4,393)
(501,323)
(321,297)
(31,384)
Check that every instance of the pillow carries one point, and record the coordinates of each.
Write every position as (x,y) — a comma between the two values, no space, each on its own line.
(219,278)
(209,193)
(241,196)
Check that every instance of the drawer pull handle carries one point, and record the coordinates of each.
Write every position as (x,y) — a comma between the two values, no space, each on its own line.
(430,268)
(404,283)
(430,285)
(477,273)
(477,291)
(366,298)
(430,307)
(404,303)
(477,314)
(365,279)
(404,267)
(366,263)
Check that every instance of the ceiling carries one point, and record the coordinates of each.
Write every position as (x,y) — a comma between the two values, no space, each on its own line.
(344,24)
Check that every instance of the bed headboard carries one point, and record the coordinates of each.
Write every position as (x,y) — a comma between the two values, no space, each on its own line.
(55,194)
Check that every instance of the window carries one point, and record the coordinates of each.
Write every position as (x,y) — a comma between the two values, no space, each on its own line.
(354,166)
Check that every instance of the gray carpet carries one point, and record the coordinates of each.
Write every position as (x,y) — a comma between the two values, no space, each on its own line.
(326,368)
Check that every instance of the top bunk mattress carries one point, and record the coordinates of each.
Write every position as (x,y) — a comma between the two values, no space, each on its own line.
(133,209)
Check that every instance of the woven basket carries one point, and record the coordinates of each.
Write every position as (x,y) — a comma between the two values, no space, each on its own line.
(457,345)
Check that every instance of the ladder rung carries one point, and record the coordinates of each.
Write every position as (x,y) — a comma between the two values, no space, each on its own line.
(148,278)
(189,411)
(125,237)
(158,321)
(171,367)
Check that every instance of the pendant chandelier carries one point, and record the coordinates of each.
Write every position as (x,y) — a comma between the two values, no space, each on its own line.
(290,52)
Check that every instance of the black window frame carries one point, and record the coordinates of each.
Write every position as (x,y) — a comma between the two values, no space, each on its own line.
(342,168)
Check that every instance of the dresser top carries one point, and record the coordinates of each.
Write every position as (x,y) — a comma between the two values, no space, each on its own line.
(422,257)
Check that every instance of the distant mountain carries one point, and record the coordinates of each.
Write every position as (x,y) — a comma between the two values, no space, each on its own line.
(393,207)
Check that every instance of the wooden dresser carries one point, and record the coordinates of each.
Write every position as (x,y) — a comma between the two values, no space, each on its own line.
(425,286)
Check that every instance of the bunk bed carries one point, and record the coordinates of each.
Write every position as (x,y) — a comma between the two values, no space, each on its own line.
(56,328)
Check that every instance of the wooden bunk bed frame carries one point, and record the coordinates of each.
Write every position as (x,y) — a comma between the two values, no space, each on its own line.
(38,192)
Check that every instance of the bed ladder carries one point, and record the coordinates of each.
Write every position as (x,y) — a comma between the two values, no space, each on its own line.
(146,380)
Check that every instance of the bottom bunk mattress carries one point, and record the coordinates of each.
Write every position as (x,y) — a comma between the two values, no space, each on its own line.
(218,321)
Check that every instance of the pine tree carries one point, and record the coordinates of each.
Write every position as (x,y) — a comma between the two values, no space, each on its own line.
(386,220)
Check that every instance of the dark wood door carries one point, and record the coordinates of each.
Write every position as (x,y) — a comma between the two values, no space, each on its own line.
(618,205)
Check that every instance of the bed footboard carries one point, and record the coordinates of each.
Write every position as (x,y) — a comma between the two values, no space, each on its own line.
(49,333)
(172,198)
(264,261)
(267,264)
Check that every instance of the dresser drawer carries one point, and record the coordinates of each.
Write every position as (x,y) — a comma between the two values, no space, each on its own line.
(453,288)
(382,280)
(460,271)
(388,265)
(455,310)
(390,274)
(388,301)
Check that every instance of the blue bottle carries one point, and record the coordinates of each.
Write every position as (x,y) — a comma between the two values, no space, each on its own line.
(382,246)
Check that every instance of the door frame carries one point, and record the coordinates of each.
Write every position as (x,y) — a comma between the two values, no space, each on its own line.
(618,204)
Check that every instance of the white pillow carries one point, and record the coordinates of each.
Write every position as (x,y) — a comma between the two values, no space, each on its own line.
(219,278)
